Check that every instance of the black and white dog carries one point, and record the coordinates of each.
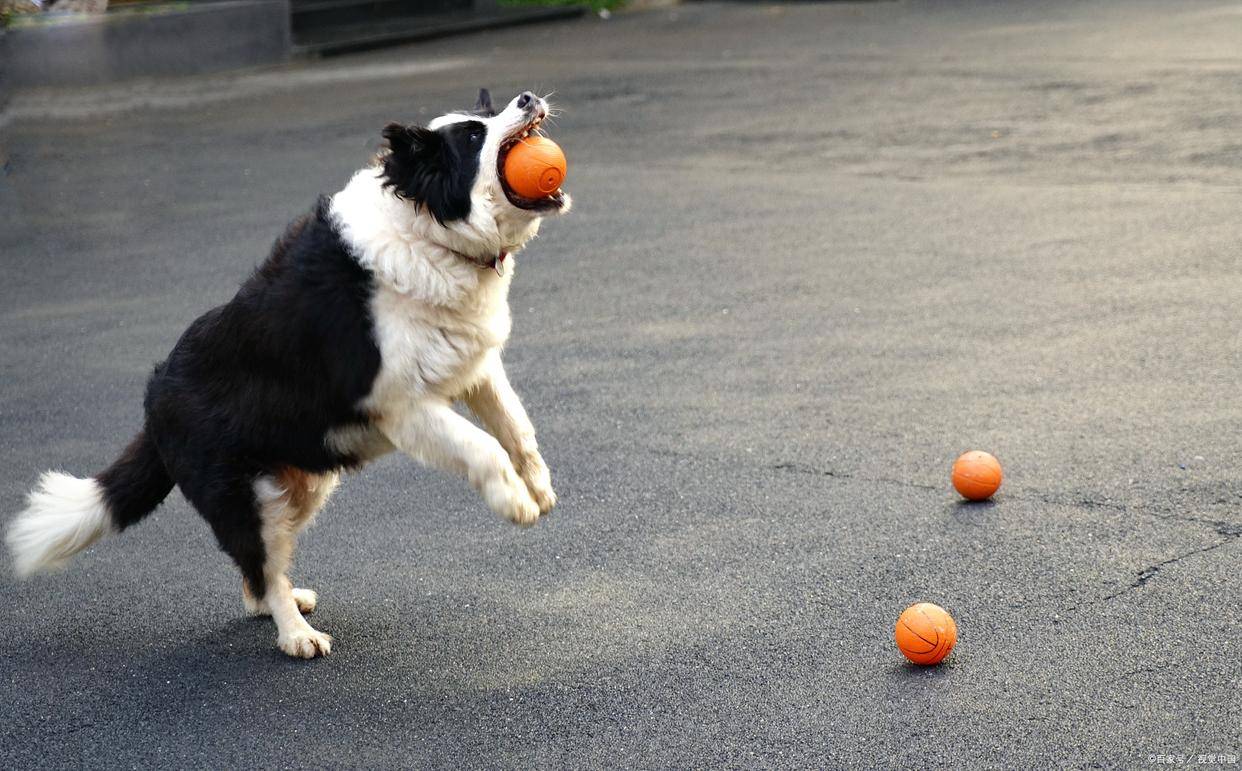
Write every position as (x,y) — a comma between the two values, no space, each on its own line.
(371,316)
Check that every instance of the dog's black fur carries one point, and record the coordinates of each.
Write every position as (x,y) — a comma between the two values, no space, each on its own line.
(234,401)
(436,169)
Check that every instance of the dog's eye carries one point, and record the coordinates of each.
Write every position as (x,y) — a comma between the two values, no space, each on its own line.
(476,136)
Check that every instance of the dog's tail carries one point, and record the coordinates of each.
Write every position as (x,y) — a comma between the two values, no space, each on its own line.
(65,514)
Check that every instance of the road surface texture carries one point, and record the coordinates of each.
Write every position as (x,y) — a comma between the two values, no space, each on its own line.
(818,251)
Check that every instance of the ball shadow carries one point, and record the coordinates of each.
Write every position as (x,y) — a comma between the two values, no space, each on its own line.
(908,671)
(964,508)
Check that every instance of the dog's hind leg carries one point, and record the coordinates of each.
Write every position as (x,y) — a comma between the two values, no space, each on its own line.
(303,495)
(256,522)
(306,600)
(287,503)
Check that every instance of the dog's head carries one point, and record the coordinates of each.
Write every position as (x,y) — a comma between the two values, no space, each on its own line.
(451,168)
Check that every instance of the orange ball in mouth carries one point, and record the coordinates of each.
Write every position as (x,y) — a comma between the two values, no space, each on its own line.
(976,475)
(535,167)
(925,633)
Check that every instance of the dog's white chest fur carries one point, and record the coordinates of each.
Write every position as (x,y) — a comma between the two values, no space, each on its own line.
(430,350)
(436,315)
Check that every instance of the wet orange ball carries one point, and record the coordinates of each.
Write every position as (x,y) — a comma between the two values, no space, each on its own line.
(925,633)
(535,167)
(976,475)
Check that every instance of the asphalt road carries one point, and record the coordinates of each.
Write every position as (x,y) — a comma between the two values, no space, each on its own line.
(818,251)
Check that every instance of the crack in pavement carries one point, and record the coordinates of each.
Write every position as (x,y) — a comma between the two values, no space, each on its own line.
(1228,531)
(1121,508)
(799,468)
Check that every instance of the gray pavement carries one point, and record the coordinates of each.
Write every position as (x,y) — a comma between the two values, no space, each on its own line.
(818,251)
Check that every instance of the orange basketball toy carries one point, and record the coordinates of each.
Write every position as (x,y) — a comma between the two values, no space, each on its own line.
(926,633)
(976,475)
(535,167)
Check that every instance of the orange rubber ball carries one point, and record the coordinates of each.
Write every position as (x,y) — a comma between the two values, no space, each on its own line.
(976,475)
(925,633)
(535,167)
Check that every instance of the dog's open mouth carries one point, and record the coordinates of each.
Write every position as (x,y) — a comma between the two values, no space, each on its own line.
(547,203)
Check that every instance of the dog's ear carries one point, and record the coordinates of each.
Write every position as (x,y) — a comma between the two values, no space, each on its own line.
(409,142)
(484,105)
(419,167)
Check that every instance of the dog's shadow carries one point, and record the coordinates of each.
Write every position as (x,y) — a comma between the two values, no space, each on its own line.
(243,642)
(245,646)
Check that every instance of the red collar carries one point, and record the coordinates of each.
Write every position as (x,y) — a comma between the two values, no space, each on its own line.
(495,263)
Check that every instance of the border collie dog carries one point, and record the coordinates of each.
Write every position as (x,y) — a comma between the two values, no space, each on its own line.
(373,314)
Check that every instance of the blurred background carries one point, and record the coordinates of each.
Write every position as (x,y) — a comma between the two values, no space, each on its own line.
(75,42)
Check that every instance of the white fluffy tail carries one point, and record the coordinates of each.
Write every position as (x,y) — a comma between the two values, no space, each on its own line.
(64,516)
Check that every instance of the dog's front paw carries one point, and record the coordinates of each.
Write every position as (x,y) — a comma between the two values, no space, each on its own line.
(545,497)
(538,481)
(519,508)
(508,497)
(305,643)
